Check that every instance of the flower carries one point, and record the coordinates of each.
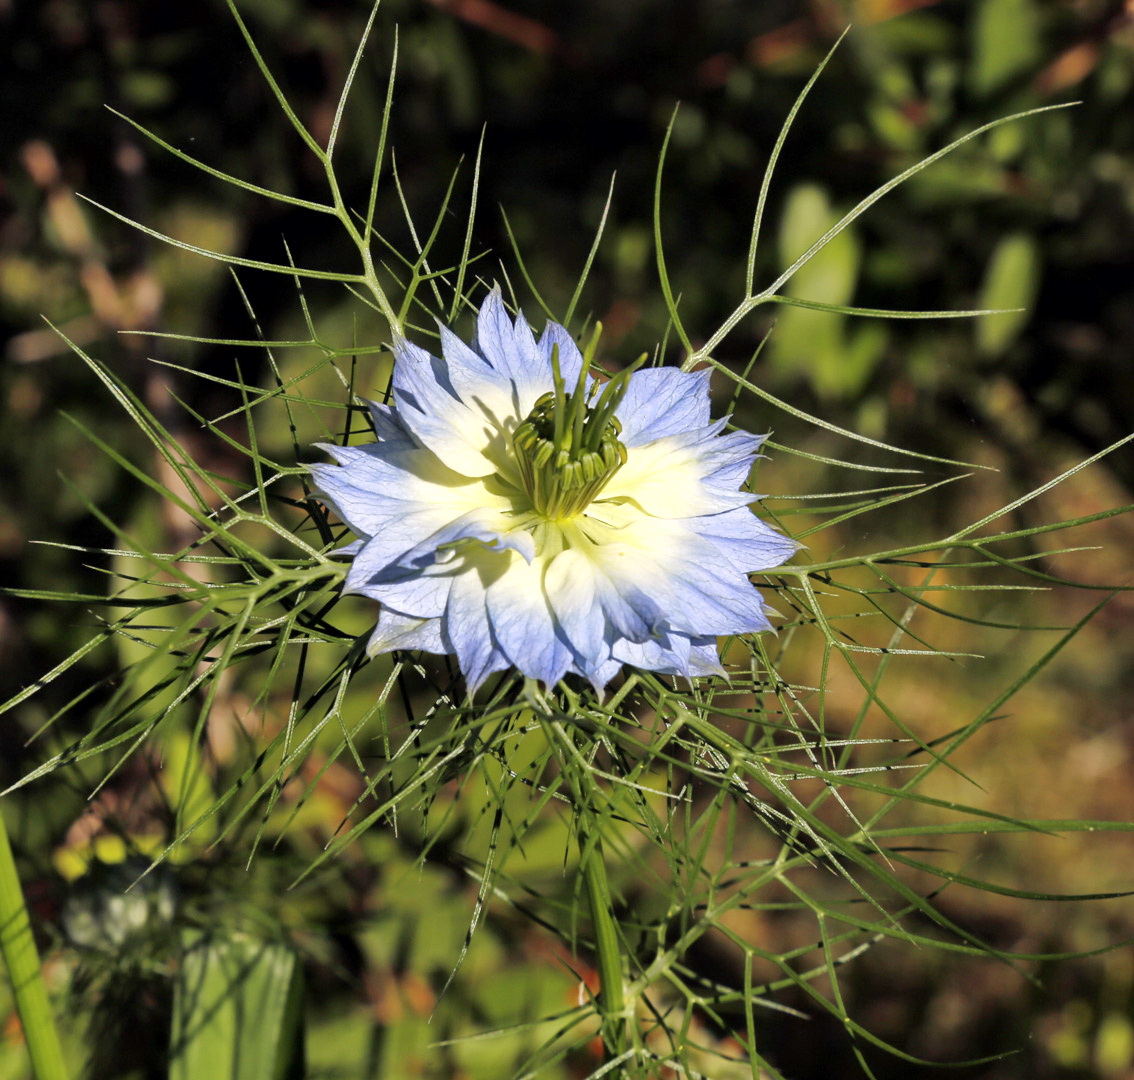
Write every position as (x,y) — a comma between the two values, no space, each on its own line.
(519,513)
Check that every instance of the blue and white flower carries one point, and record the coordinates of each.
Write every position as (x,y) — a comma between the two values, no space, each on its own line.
(519,513)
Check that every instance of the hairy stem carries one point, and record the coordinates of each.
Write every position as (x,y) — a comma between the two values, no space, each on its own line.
(17,945)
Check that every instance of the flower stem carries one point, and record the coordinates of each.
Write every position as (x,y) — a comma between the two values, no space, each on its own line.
(17,945)
(611,998)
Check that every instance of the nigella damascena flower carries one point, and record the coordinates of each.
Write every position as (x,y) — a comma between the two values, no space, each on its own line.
(519,513)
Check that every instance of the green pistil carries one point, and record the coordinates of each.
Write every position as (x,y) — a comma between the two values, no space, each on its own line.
(567,449)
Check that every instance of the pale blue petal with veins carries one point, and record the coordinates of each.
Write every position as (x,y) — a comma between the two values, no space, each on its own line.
(464,559)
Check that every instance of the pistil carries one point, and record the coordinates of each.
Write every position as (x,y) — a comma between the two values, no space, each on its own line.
(568,448)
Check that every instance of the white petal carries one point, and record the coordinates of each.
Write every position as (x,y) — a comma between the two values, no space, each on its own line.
(464,438)
(666,478)
(569,583)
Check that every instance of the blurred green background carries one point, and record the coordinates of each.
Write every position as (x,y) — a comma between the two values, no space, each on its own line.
(1040,216)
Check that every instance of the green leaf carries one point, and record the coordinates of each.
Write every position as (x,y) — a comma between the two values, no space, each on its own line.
(1006,43)
(1011,281)
(237,1011)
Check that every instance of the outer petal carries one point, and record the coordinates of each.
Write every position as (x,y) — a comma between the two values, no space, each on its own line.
(430,407)
(398,496)
(570,359)
(388,426)
(674,654)
(569,583)
(495,395)
(704,658)
(523,625)
(395,542)
(663,401)
(673,566)
(668,653)
(398,631)
(488,527)
(465,625)
(729,458)
(510,348)
(602,674)
(746,544)
(629,606)
(348,551)
(421,593)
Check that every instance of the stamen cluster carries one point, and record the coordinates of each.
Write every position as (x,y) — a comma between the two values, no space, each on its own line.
(567,449)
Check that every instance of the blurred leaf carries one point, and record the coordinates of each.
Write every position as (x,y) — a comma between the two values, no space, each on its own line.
(1011,281)
(1114,1045)
(816,342)
(185,781)
(1006,42)
(237,1012)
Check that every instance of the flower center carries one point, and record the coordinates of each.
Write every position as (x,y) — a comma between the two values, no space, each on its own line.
(567,449)
(562,480)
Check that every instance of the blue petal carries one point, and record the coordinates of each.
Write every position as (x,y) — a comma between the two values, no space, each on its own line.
(571,592)
(704,658)
(431,409)
(471,376)
(522,624)
(701,602)
(397,631)
(570,359)
(508,345)
(397,550)
(602,673)
(372,488)
(388,426)
(728,459)
(465,627)
(668,654)
(674,654)
(469,526)
(423,593)
(632,611)
(390,546)
(663,401)
(666,477)
(679,572)
(746,544)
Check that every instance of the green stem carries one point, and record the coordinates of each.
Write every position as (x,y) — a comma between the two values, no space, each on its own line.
(22,961)
(611,997)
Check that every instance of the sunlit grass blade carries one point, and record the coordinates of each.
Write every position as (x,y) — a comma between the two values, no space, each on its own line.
(270,79)
(659,249)
(463,264)
(380,149)
(885,313)
(231,260)
(228,178)
(884,189)
(569,314)
(791,410)
(773,158)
